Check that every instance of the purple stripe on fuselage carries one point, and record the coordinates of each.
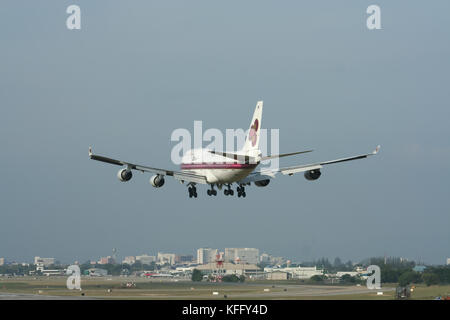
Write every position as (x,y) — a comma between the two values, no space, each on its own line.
(217,166)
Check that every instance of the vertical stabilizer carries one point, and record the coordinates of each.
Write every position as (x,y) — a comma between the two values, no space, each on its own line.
(251,145)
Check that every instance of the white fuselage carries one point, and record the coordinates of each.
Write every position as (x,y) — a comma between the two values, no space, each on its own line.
(216,168)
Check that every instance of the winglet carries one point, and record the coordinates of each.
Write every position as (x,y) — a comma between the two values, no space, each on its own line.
(376,150)
(90,151)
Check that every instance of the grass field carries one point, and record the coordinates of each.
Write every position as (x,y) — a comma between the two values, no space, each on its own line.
(113,288)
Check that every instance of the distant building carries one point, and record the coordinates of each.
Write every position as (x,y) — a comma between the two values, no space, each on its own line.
(242,255)
(45,262)
(54,272)
(360,269)
(419,269)
(96,272)
(339,274)
(106,260)
(180,259)
(278,275)
(229,268)
(164,258)
(448,261)
(129,260)
(2,261)
(297,272)
(265,258)
(277,260)
(206,255)
(145,259)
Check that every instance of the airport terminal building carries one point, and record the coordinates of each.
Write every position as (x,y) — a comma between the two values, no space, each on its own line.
(229,268)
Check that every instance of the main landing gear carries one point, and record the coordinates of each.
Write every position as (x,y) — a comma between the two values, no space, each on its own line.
(192,191)
(229,191)
(212,192)
(241,192)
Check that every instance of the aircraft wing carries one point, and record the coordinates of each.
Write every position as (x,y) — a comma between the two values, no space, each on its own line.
(182,176)
(250,159)
(265,174)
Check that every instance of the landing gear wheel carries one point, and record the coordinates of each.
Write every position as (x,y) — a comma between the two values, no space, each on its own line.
(241,192)
(228,191)
(192,192)
(212,192)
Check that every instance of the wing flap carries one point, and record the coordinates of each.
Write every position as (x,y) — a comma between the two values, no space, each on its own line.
(296,169)
(182,176)
(257,176)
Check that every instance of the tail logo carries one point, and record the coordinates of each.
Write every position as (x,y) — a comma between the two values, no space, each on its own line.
(252,135)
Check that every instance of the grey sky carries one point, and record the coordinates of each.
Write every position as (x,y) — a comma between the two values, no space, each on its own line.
(138,70)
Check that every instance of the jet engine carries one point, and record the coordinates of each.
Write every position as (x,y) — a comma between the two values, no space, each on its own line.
(124,175)
(157,181)
(262,183)
(312,174)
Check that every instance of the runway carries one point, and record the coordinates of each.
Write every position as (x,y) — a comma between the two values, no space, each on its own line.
(29,296)
(255,291)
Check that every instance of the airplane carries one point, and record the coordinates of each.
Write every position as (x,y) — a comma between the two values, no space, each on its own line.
(216,168)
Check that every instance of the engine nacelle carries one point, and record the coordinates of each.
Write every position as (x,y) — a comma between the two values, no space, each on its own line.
(262,183)
(124,175)
(312,174)
(157,181)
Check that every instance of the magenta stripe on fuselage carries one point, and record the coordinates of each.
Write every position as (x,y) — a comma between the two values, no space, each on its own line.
(217,166)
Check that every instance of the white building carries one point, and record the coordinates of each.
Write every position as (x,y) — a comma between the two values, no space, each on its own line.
(206,255)
(145,259)
(2,261)
(265,258)
(129,260)
(45,262)
(278,275)
(339,274)
(164,258)
(106,260)
(54,272)
(96,272)
(242,255)
(228,268)
(448,261)
(298,272)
